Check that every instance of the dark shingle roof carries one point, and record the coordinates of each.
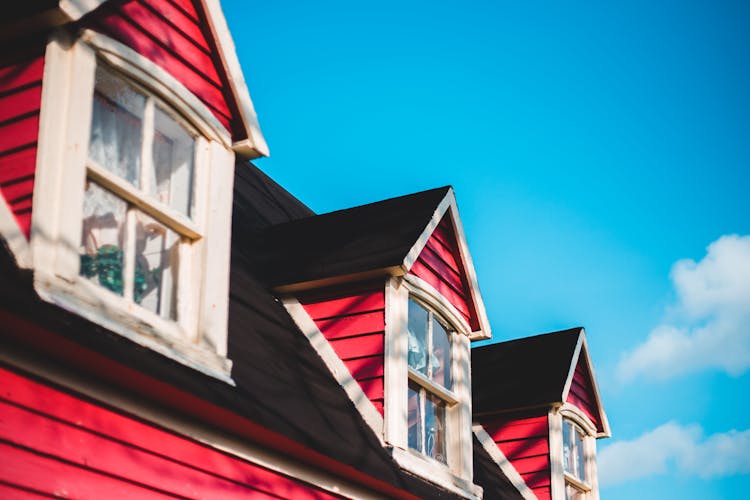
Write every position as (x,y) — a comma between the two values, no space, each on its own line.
(522,373)
(495,484)
(355,240)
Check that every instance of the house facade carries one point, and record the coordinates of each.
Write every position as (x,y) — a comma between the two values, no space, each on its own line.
(173,323)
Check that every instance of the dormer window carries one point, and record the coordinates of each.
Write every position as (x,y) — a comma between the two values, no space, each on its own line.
(427,384)
(138,197)
(575,463)
(430,381)
(132,203)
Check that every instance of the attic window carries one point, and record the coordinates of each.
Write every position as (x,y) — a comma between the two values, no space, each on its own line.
(427,385)
(138,197)
(430,381)
(577,460)
(132,202)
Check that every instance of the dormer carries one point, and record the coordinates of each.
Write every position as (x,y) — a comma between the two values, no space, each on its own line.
(538,413)
(121,125)
(387,294)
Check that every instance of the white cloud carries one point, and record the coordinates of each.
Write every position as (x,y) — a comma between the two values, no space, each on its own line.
(675,447)
(709,327)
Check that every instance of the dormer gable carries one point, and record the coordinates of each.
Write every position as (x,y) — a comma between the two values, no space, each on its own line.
(387,294)
(537,412)
(187,38)
(122,121)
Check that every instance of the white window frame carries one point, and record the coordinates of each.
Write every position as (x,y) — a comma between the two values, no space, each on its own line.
(561,478)
(457,475)
(198,338)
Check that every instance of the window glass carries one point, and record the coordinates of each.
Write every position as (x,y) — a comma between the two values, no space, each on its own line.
(440,355)
(135,137)
(155,277)
(418,321)
(102,238)
(573,451)
(426,420)
(171,179)
(117,127)
(435,428)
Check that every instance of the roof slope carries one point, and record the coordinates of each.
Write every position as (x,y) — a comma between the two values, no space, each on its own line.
(281,382)
(351,241)
(495,484)
(522,373)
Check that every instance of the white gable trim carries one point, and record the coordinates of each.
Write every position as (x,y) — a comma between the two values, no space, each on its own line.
(448,204)
(13,236)
(255,145)
(338,369)
(582,346)
(499,458)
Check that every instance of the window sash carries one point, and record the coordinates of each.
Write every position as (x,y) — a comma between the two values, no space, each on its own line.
(155,118)
(430,344)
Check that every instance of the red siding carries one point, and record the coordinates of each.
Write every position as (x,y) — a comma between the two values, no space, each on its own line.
(81,450)
(20,102)
(582,392)
(524,441)
(171,34)
(439,264)
(353,321)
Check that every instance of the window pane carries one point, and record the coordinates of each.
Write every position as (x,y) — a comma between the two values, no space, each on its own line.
(116,127)
(414,418)
(171,181)
(434,424)
(155,266)
(102,236)
(418,318)
(569,454)
(440,355)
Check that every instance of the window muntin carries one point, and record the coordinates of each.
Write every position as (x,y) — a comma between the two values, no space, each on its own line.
(430,382)
(139,195)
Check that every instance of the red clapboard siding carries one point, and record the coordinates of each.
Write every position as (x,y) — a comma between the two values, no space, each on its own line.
(83,450)
(525,443)
(20,102)
(439,264)
(581,392)
(169,34)
(353,321)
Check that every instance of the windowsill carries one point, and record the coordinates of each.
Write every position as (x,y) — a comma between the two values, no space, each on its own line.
(132,322)
(577,483)
(435,472)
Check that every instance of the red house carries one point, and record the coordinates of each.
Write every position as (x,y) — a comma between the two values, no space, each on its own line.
(173,323)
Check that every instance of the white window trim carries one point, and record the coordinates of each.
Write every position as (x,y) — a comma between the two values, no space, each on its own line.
(559,477)
(200,338)
(458,474)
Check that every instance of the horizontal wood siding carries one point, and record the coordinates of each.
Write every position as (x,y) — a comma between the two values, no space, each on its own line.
(20,102)
(439,264)
(524,440)
(173,34)
(353,321)
(55,444)
(581,393)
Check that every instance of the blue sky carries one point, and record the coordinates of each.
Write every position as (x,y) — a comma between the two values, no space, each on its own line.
(593,148)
